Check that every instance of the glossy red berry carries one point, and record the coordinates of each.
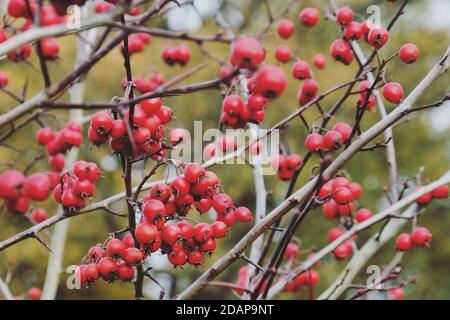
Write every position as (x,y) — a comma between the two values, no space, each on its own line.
(39,215)
(285,28)
(195,258)
(95,253)
(343,251)
(341,51)
(219,229)
(44,136)
(344,15)
(170,234)
(20,54)
(161,192)
(294,162)
(283,53)
(107,268)
(393,92)
(309,17)
(38,186)
(314,142)
(363,214)
(222,203)
(256,102)
(421,236)
(233,105)
(377,37)
(102,122)
(193,172)
(178,257)
(333,140)
(154,210)
(307,92)
(180,186)
(404,242)
(151,106)
(330,209)
(301,70)
(146,233)
(115,248)
(202,232)
(270,82)
(177,135)
(17,8)
(35,294)
(409,53)
(50,48)
(353,31)
(91,273)
(118,129)
(247,52)
(343,196)
(243,214)
(11,184)
(183,54)
(356,190)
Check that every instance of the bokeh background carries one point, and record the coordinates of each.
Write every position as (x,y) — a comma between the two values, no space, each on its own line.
(421,141)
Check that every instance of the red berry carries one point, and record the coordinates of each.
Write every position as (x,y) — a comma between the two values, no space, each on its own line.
(270,82)
(101,122)
(195,258)
(229,219)
(344,15)
(330,209)
(50,48)
(362,215)
(312,278)
(343,196)
(343,250)
(20,54)
(17,8)
(169,55)
(283,53)
(396,293)
(393,92)
(115,248)
(319,61)
(4,79)
(256,102)
(180,186)
(356,190)
(341,51)
(307,91)
(409,53)
(232,105)
(107,268)
(292,251)
(222,203)
(170,234)
(154,210)
(38,186)
(202,232)
(378,37)
(151,106)
(219,229)
(314,142)
(243,214)
(124,271)
(247,53)
(11,183)
(424,199)
(404,242)
(309,17)
(193,172)
(95,253)
(35,294)
(161,192)
(44,136)
(178,257)
(353,31)
(177,135)
(421,236)
(57,162)
(344,128)
(183,54)
(301,70)
(118,129)
(327,189)
(208,246)
(294,162)
(203,205)
(91,273)
(285,28)
(146,233)
(39,215)
(440,192)
(333,140)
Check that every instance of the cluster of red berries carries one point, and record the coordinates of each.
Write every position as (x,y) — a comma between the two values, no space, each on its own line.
(236,113)
(331,140)
(17,190)
(148,129)
(176,55)
(136,42)
(344,250)
(57,143)
(181,241)
(438,193)
(143,84)
(77,185)
(286,166)
(420,236)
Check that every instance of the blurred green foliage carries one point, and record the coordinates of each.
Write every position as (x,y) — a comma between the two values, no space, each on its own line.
(416,142)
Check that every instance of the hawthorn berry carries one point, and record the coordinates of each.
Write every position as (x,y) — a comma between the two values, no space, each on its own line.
(247,53)
(222,203)
(183,55)
(146,233)
(409,53)
(440,192)
(285,28)
(307,92)
(330,209)
(107,268)
(319,61)
(202,232)
(344,16)
(219,229)
(314,142)
(38,186)
(243,214)
(115,248)
(283,53)
(377,37)
(39,215)
(333,140)
(353,31)
(11,184)
(170,234)
(57,162)
(101,122)
(341,51)
(154,210)
(95,253)
(363,214)
(50,48)
(404,242)
(195,258)
(424,199)
(393,92)
(193,172)
(270,82)
(344,129)
(233,105)
(421,236)
(396,293)
(309,17)
(125,272)
(35,294)
(177,135)
(301,70)
(180,186)
(292,251)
